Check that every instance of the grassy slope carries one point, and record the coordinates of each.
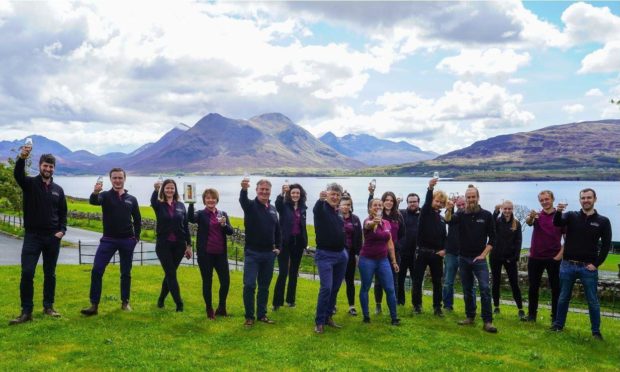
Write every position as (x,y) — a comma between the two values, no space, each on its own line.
(150,338)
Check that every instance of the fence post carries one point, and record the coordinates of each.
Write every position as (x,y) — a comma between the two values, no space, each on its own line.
(80,251)
(141,254)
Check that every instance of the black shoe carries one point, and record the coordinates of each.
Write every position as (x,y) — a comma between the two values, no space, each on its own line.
(521,314)
(331,323)
(496,311)
(275,307)
(161,303)
(597,335)
(555,328)
(266,320)
(448,308)
(529,318)
(89,311)
(319,329)
(438,312)
(352,311)
(180,308)
(396,322)
(488,327)
(220,311)
(417,310)
(401,303)
(23,318)
(291,304)
(125,306)
(366,319)
(49,311)
(378,309)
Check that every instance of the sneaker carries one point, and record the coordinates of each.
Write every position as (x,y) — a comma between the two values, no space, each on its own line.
(466,321)
(126,307)
(89,311)
(597,336)
(331,323)
(319,329)
(488,327)
(334,311)
(555,328)
(521,314)
(496,311)
(352,311)
(438,312)
(210,314)
(417,310)
(266,320)
(529,318)
(22,318)
(396,322)
(378,309)
(249,322)
(366,319)
(291,304)
(49,311)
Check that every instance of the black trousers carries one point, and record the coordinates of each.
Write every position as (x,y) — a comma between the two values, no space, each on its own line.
(379,288)
(207,262)
(535,269)
(349,278)
(288,267)
(406,263)
(34,245)
(435,263)
(513,278)
(170,255)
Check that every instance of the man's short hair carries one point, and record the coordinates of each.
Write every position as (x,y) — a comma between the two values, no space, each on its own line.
(414,195)
(548,192)
(264,180)
(334,187)
(118,170)
(587,190)
(47,158)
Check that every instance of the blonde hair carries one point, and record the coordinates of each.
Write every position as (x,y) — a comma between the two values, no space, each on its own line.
(370,204)
(513,227)
(443,197)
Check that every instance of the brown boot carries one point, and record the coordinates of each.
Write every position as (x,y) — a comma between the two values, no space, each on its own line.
(126,307)
(23,318)
(92,310)
(331,323)
(488,327)
(49,311)
(466,321)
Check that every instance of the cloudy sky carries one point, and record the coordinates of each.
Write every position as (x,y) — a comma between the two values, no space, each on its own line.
(113,75)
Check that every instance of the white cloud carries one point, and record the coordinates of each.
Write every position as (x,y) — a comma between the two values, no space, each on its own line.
(587,23)
(573,109)
(594,92)
(606,59)
(491,61)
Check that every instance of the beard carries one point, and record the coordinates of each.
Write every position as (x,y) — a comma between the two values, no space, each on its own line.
(472,208)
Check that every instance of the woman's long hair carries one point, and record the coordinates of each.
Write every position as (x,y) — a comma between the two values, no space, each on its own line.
(302,194)
(161,197)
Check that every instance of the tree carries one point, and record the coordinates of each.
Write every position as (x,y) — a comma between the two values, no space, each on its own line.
(10,192)
(521,212)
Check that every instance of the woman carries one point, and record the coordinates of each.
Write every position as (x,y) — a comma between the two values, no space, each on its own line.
(353,243)
(392,215)
(506,253)
(291,206)
(377,248)
(211,249)
(173,239)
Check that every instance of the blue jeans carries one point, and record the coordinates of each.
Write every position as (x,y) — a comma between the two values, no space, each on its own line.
(35,245)
(258,267)
(570,272)
(381,268)
(332,267)
(480,270)
(103,256)
(451,262)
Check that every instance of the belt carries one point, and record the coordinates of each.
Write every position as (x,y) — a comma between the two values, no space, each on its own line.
(576,263)
(426,250)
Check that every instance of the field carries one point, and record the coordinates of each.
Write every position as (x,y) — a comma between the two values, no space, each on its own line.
(150,338)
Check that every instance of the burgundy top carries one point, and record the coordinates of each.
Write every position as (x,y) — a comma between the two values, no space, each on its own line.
(546,238)
(394,226)
(171,211)
(296,230)
(348,231)
(375,242)
(215,239)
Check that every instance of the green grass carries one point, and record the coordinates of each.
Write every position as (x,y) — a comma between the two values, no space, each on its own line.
(150,338)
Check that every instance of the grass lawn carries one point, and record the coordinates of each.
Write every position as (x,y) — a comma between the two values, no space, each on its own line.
(150,338)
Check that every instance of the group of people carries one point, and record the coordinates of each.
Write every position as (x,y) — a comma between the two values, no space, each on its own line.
(386,245)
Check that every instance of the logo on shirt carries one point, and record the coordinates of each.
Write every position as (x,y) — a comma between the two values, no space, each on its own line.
(480,220)
(55,193)
(128,202)
(595,224)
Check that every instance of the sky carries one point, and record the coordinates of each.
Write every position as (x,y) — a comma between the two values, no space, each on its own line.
(113,75)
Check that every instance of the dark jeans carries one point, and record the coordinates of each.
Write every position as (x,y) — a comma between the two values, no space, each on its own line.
(451,266)
(569,272)
(289,260)
(349,278)
(407,262)
(105,252)
(34,245)
(207,262)
(380,268)
(513,278)
(479,269)
(379,287)
(170,255)
(331,267)
(257,268)
(535,269)
(435,263)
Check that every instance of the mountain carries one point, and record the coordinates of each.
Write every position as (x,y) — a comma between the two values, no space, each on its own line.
(374,151)
(584,150)
(216,144)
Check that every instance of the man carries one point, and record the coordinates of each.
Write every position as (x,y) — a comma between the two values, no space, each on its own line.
(262,245)
(451,259)
(408,245)
(476,239)
(331,257)
(545,254)
(582,257)
(121,232)
(45,223)
(431,240)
